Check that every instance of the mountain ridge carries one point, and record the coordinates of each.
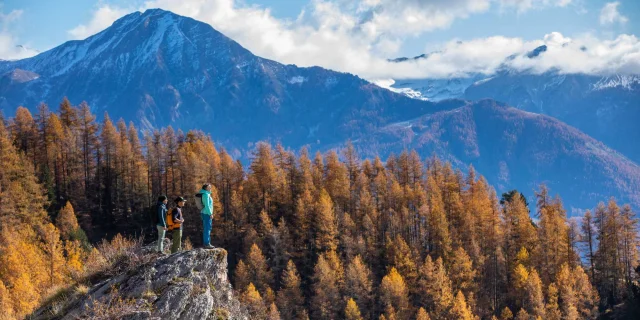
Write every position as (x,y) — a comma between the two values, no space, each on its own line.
(163,69)
(515,148)
(602,106)
(210,73)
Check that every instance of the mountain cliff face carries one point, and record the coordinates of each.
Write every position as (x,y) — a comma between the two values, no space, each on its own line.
(191,284)
(516,149)
(159,69)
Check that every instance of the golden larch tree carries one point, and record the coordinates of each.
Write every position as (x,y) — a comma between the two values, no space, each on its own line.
(552,308)
(439,240)
(522,315)
(242,276)
(399,256)
(534,299)
(325,302)
(422,314)
(359,284)
(460,309)
(252,299)
(462,273)
(273,313)
(259,271)
(506,314)
(326,231)
(435,288)
(352,312)
(289,298)
(66,221)
(394,293)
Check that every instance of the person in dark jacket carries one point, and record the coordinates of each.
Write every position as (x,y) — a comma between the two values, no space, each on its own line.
(162,224)
(178,219)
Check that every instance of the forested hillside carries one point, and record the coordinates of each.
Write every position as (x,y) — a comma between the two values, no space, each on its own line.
(323,237)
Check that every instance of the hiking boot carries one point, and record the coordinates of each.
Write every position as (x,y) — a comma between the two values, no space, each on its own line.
(208,246)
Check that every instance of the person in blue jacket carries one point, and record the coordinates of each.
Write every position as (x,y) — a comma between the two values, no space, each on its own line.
(162,224)
(206,214)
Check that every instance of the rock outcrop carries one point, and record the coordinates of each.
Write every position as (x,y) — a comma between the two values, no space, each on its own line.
(187,285)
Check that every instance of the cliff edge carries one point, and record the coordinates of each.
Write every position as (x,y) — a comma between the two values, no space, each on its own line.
(190,284)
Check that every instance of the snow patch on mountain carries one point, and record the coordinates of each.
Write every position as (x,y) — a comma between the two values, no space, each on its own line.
(409,92)
(441,89)
(430,89)
(70,56)
(419,121)
(479,82)
(297,79)
(22,76)
(403,124)
(148,51)
(627,82)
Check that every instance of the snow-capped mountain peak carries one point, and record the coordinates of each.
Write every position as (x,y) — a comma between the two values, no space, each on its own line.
(132,42)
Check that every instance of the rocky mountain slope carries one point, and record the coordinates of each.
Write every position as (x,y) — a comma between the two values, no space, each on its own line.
(190,284)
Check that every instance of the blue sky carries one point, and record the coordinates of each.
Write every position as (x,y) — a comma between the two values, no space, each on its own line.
(43,24)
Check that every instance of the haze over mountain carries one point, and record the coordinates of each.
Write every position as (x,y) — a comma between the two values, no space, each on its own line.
(604,107)
(158,69)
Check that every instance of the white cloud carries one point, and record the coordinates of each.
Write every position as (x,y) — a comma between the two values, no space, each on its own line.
(358,37)
(524,5)
(610,14)
(400,17)
(585,54)
(102,18)
(9,47)
(588,55)
(350,36)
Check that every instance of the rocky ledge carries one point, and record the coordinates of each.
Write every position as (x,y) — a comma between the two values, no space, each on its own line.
(187,285)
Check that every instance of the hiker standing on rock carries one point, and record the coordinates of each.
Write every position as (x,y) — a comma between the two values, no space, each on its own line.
(204,202)
(162,224)
(178,220)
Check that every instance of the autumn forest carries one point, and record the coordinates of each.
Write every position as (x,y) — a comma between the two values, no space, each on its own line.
(324,236)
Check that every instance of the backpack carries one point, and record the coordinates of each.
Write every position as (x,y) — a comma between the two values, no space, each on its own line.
(199,203)
(169,220)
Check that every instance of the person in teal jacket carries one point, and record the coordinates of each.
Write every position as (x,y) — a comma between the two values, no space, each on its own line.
(206,214)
